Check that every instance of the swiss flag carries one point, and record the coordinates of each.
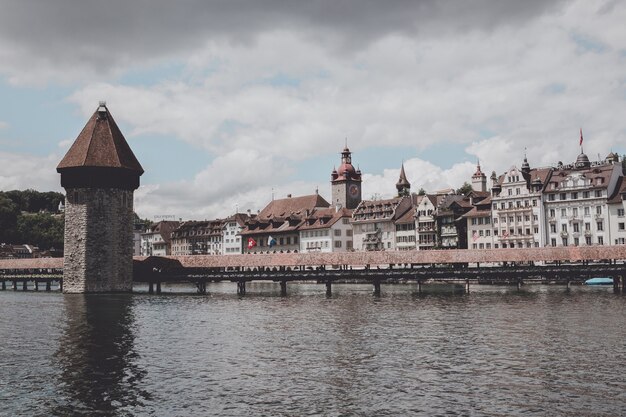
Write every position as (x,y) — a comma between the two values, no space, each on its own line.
(251,243)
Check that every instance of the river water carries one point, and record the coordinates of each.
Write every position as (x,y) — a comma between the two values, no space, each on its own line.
(541,351)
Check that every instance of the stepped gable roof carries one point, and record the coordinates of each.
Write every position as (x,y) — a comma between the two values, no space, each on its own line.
(101,144)
(293,206)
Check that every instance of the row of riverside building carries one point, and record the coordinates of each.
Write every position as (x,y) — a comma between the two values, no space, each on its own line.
(578,204)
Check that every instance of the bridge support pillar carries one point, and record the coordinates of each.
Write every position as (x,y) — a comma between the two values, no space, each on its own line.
(201,286)
(519,284)
(329,289)
(24,285)
(568,284)
(158,287)
(150,288)
(467,286)
(14,285)
(419,286)
(616,282)
(377,288)
(283,288)
(48,286)
(4,285)
(241,287)
(61,285)
(36,285)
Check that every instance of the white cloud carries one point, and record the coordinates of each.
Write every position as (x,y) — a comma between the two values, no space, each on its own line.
(262,103)
(20,171)
(3,125)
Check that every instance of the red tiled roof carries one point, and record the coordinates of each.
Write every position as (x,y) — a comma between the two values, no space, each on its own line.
(293,205)
(101,144)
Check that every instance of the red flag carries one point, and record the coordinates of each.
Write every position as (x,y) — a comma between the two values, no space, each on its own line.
(581,137)
(251,243)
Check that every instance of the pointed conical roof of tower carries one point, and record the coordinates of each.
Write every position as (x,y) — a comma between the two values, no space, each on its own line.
(101,144)
(403,185)
(100,157)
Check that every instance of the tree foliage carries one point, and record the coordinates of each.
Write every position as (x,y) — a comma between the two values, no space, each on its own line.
(421,191)
(465,189)
(32,201)
(41,229)
(26,217)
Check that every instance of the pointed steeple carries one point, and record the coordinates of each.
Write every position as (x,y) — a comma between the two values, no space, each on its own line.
(403,185)
(100,156)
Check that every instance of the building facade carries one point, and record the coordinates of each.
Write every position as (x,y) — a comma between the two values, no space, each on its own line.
(374,223)
(232,243)
(576,201)
(198,238)
(157,239)
(327,230)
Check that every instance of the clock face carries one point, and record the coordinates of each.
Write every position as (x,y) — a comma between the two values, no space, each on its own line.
(353,190)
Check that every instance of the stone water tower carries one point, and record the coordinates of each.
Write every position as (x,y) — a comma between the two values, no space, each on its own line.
(99,174)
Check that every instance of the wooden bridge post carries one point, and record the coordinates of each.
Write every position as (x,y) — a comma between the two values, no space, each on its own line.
(283,288)
(25,285)
(4,285)
(61,284)
(376,288)
(329,290)
(158,287)
(201,286)
(419,286)
(36,285)
(241,287)
(14,285)
(49,285)
(150,288)
(616,282)
(467,286)
(519,284)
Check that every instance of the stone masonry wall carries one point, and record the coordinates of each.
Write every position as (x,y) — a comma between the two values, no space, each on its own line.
(98,240)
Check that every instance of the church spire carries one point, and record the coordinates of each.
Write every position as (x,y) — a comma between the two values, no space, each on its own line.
(403,185)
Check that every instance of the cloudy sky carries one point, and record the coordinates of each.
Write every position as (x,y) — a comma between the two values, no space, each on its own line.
(227,102)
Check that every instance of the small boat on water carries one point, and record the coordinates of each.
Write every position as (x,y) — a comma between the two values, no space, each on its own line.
(599,281)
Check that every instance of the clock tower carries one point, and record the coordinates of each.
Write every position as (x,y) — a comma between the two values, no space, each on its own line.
(346,182)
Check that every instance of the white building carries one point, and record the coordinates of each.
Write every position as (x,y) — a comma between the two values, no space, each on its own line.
(231,240)
(156,241)
(479,228)
(576,201)
(327,230)
(517,211)
(617,220)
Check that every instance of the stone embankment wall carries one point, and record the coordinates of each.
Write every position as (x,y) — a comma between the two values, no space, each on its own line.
(359,259)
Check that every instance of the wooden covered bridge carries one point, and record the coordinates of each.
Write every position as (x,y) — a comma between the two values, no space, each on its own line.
(568,265)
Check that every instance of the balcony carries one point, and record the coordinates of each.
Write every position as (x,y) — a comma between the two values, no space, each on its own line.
(588,233)
(552,219)
(564,234)
(574,218)
(599,216)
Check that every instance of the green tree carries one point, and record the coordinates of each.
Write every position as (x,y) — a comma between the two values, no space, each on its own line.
(421,191)
(41,229)
(465,189)
(9,213)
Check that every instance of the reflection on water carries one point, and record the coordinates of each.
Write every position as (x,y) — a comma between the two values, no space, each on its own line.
(541,351)
(97,357)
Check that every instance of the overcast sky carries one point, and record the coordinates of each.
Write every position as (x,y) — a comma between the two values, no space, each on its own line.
(227,102)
